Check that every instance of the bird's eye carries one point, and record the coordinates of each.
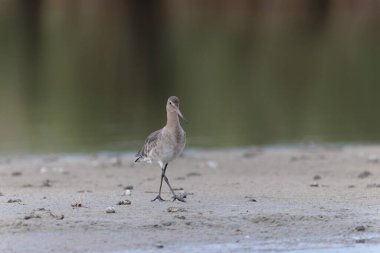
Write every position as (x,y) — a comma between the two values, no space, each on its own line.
(170,103)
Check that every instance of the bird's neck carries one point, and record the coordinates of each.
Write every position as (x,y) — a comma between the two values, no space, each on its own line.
(172,120)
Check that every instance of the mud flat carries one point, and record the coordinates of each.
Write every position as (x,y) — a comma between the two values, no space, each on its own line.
(240,200)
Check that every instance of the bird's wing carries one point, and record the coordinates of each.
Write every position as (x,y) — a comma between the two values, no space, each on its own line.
(149,144)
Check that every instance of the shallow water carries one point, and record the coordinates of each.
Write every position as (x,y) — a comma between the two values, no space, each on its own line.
(88,77)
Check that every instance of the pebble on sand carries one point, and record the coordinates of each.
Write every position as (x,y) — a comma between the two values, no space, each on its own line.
(364,174)
(250,199)
(124,202)
(159,246)
(360,228)
(167,223)
(46,183)
(14,200)
(314,184)
(317,177)
(110,209)
(32,216)
(43,213)
(77,204)
(250,153)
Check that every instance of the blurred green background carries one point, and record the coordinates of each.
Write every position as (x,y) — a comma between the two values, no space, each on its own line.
(81,75)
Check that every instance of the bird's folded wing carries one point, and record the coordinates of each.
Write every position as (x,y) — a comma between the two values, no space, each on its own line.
(149,144)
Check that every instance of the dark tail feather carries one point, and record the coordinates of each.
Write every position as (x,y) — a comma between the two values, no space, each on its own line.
(138,158)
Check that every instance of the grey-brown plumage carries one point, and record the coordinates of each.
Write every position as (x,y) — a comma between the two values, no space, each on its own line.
(164,145)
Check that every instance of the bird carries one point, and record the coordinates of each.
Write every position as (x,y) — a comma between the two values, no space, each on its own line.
(165,144)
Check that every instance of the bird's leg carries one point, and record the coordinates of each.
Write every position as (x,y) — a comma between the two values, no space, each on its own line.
(159,192)
(175,196)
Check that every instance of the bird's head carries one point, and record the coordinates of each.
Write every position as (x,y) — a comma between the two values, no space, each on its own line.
(172,106)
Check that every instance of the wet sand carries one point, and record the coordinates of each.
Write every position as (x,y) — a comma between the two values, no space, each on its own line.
(240,200)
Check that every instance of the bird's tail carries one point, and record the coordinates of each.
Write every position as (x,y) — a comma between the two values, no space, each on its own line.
(138,158)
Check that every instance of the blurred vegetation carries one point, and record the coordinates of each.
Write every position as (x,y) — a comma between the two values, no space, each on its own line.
(95,75)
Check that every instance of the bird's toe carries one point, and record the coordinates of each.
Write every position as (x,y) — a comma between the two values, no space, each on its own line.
(158,198)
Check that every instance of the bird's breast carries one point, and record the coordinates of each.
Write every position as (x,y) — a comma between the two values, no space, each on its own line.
(171,145)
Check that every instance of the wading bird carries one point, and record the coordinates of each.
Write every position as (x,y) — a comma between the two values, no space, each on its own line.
(164,145)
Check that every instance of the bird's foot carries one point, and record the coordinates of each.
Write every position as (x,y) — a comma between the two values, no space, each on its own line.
(158,198)
(179,198)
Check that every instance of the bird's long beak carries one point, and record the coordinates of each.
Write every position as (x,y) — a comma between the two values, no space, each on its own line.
(179,112)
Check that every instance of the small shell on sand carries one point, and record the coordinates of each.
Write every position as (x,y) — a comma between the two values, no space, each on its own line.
(110,209)
(173,209)
(373,159)
(127,193)
(193,174)
(209,164)
(43,170)
(116,161)
(212,164)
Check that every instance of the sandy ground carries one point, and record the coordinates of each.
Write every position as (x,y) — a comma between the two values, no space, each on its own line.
(239,200)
